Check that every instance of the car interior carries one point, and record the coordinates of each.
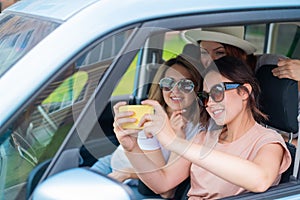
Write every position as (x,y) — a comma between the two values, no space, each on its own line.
(282,110)
(58,142)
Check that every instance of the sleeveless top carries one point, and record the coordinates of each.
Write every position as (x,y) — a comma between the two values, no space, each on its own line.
(205,185)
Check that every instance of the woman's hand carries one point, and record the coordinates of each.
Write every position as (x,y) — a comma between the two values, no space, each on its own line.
(288,68)
(158,124)
(178,122)
(126,137)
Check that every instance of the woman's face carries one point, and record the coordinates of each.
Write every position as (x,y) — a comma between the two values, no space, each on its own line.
(175,98)
(230,107)
(211,51)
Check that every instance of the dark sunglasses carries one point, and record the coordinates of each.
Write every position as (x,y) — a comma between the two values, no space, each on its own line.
(217,92)
(184,85)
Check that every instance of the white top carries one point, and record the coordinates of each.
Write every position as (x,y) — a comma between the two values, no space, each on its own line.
(153,144)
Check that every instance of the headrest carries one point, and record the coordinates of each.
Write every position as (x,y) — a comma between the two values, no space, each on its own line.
(279,100)
(191,52)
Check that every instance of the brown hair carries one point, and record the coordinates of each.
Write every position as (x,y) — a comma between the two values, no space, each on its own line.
(155,92)
(236,70)
(233,51)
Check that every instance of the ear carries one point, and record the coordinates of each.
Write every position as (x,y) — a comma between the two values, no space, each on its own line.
(244,94)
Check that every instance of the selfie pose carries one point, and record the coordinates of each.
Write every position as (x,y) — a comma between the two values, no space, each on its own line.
(252,156)
(174,87)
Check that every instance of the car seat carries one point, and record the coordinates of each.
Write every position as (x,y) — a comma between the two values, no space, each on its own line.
(279,101)
(191,52)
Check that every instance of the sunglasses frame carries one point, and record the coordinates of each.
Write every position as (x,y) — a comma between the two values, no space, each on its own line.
(204,96)
(174,84)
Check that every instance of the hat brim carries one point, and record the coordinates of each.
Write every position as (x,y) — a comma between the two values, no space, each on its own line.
(198,35)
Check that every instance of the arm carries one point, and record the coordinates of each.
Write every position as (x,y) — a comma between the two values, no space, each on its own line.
(288,68)
(257,175)
(159,179)
(178,122)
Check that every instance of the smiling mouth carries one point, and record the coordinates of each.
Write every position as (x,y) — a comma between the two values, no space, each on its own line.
(217,112)
(176,98)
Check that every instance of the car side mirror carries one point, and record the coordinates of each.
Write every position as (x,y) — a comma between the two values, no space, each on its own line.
(81,183)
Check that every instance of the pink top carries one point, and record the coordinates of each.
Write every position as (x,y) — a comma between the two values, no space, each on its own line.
(205,185)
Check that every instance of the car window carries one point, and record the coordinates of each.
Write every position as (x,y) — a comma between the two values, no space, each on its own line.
(173,44)
(126,84)
(285,39)
(38,131)
(18,36)
(256,34)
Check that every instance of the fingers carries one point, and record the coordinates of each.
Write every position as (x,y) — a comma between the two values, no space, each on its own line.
(146,120)
(117,105)
(178,112)
(287,68)
(122,117)
(157,107)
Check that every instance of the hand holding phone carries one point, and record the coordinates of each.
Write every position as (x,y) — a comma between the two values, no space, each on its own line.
(139,112)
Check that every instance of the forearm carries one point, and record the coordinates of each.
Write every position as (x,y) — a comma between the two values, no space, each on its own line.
(235,170)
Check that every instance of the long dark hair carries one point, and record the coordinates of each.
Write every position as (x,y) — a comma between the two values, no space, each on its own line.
(236,70)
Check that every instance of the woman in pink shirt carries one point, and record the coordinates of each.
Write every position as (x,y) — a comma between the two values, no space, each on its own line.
(244,157)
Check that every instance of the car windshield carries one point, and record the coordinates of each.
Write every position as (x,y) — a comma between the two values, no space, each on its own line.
(19,35)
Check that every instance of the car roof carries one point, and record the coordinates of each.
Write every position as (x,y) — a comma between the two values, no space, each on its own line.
(62,10)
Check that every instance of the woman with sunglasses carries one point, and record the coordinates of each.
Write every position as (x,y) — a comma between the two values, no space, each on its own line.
(175,87)
(246,156)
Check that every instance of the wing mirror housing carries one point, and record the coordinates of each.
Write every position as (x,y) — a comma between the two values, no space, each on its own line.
(81,183)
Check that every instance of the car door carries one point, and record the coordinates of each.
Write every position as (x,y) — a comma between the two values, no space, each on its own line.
(36,132)
(148,47)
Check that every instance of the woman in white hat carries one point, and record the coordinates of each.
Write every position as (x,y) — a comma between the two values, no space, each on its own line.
(216,42)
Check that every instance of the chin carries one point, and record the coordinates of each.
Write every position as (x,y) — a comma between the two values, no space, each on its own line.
(220,122)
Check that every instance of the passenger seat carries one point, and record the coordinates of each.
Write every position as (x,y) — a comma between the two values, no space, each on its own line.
(279,100)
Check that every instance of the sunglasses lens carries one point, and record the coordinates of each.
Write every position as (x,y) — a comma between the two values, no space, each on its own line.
(217,93)
(186,86)
(166,84)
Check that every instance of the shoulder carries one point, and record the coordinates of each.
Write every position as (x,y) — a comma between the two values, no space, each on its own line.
(270,136)
(266,135)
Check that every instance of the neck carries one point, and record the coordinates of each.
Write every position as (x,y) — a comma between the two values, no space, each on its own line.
(238,127)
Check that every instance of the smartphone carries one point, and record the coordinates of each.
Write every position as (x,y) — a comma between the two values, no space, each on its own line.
(139,112)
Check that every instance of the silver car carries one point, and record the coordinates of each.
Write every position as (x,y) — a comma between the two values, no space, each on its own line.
(65,63)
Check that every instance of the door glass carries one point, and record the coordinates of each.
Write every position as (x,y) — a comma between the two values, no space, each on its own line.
(255,34)
(286,39)
(37,132)
(19,35)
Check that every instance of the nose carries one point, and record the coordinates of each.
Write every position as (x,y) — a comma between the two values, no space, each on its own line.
(210,102)
(175,89)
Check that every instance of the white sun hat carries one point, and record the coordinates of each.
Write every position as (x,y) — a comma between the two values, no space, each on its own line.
(232,35)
